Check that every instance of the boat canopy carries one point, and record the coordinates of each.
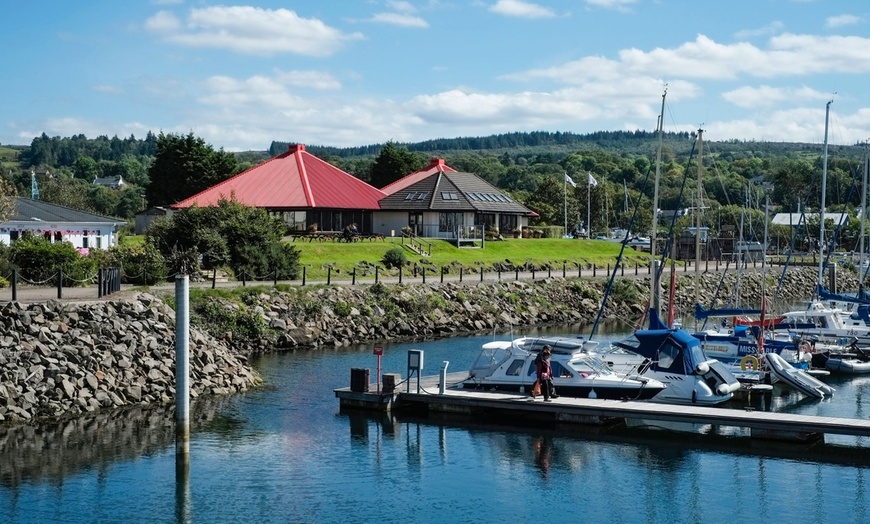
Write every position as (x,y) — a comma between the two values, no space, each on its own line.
(824,294)
(673,350)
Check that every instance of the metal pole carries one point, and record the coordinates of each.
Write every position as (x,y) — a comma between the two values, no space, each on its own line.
(14,285)
(182,372)
(328,275)
(303,275)
(60,284)
(100,283)
(353,277)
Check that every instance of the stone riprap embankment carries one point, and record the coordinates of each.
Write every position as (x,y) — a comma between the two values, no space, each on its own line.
(59,359)
(343,315)
(62,359)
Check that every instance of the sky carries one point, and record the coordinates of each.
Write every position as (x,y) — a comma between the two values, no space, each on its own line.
(356,72)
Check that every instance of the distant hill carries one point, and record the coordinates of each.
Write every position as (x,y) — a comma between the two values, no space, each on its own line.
(630,143)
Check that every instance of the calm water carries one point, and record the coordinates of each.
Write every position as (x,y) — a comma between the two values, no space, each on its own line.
(286,453)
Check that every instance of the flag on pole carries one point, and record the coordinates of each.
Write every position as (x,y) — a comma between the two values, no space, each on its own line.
(569,180)
(592,181)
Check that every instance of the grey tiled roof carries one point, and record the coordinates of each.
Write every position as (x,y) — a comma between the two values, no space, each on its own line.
(28,210)
(453,191)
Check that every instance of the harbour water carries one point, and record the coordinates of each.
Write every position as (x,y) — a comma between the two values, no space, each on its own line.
(287,453)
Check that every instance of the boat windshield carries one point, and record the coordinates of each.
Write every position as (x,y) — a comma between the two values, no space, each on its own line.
(590,363)
(491,357)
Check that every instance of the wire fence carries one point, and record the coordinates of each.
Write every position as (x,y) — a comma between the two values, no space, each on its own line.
(107,281)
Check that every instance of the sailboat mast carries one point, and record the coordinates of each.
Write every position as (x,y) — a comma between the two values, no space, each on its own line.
(654,281)
(824,190)
(698,215)
(863,218)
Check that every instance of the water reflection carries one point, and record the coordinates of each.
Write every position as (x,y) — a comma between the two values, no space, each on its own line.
(54,451)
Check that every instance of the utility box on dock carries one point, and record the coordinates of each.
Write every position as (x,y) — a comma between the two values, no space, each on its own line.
(390,380)
(359,380)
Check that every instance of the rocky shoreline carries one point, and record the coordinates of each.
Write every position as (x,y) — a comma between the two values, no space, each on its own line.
(60,360)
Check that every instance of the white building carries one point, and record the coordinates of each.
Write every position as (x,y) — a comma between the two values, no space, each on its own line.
(59,224)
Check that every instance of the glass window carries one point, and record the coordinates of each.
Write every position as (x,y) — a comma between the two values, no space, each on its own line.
(668,355)
(515,368)
(449,222)
(410,196)
(85,239)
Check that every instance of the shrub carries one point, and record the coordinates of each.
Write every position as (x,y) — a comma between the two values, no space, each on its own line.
(39,260)
(140,264)
(394,258)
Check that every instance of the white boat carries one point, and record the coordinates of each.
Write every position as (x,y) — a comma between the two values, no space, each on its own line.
(510,366)
(676,358)
(823,325)
(796,378)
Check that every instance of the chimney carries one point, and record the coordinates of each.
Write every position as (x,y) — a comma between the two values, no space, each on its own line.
(293,148)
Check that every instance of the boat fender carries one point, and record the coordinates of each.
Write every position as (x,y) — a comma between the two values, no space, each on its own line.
(703,368)
(748,362)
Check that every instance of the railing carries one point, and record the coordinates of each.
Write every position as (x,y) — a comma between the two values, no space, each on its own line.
(417,244)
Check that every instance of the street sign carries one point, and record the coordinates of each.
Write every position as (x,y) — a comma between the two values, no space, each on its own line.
(379,350)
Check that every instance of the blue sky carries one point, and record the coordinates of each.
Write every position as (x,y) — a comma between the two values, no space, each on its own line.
(355,72)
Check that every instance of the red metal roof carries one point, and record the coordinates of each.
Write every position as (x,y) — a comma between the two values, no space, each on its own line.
(295,179)
(436,165)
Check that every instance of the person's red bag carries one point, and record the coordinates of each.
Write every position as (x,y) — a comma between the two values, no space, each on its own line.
(536,389)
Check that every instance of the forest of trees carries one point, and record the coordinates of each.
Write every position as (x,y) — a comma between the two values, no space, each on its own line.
(738,177)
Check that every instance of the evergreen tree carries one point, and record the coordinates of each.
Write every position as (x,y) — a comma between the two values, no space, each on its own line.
(392,164)
(184,166)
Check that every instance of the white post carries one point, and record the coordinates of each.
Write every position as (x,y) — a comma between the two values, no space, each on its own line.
(182,370)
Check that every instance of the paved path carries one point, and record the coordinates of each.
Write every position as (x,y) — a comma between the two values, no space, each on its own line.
(34,294)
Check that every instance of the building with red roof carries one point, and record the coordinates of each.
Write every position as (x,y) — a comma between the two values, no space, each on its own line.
(436,201)
(301,189)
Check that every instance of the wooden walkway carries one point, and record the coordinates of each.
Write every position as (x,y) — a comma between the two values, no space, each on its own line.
(763,424)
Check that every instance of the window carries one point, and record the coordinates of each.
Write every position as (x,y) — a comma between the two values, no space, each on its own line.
(423,195)
(514,369)
(58,236)
(85,239)
(449,222)
(449,195)
(13,236)
(415,222)
(668,356)
(410,196)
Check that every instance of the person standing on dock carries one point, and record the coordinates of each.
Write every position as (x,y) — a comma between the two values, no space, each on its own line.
(545,373)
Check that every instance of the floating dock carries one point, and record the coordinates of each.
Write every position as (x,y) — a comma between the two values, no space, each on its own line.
(426,394)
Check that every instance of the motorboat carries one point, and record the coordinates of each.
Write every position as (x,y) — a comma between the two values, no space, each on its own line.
(676,358)
(852,360)
(824,325)
(577,371)
(796,377)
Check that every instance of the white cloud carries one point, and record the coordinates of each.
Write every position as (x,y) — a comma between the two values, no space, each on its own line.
(399,19)
(703,58)
(772,28)
(251,30)
(520,9)
(401,6)
(842,20)
(162,21)
(765,96)
(618,5)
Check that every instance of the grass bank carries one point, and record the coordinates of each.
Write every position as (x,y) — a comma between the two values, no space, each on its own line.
(317,257)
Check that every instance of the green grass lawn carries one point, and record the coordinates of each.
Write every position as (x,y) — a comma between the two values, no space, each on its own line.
(318,256)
